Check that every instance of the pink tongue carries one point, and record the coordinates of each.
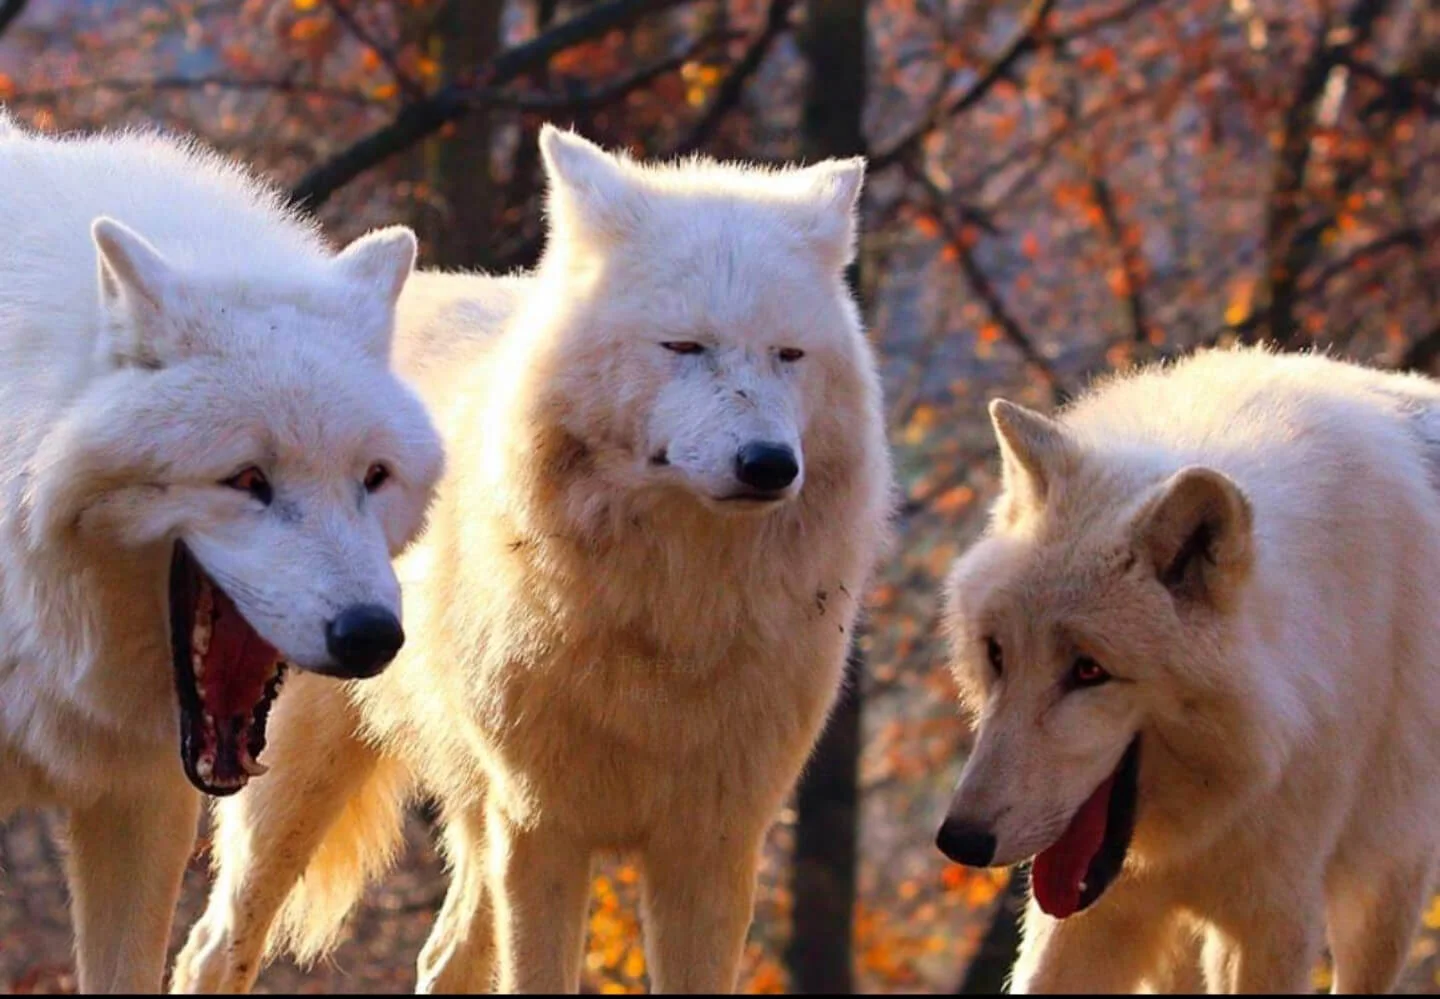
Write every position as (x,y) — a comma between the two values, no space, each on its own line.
(237,664)
(1057,872)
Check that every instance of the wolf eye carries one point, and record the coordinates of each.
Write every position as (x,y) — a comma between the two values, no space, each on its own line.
(376,476)
(996,656)
(1086,672)
(251,480)
(683,347)
(788,354)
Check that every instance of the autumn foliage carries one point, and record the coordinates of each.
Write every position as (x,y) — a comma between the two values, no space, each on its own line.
(1058,188)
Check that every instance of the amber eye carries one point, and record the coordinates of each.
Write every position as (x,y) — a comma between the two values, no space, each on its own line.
(996,656)
(789,354)
(251,480)
(376,476)
(1086,672)
(683,347)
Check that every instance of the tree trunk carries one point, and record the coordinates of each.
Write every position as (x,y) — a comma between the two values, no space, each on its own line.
(820,951)
(460,231)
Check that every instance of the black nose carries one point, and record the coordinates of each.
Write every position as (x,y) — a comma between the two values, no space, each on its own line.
(966,844)
(767,467)
(362,639)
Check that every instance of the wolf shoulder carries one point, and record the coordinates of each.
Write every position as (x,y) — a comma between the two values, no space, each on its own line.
(447,321)
(1285,426)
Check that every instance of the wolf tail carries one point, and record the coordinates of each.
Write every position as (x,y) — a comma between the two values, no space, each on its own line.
(321,760)
(357,849)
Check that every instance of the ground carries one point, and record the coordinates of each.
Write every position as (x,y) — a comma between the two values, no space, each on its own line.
(378,954)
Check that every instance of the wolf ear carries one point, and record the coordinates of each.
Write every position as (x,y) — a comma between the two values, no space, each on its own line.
(378,264)
(1034,450)
(590,190)
(1196,532)
(136,285)
(382,259)
(832,194)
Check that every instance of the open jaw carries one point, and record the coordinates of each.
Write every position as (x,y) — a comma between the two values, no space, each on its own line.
(1070,874)
(226,677)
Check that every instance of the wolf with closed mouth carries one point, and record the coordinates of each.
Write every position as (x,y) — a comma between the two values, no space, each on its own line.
(669,483)
(206,466)
(1201,639)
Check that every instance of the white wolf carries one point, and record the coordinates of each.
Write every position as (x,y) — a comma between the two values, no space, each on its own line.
(205,467)
(1201,636)
(669,484)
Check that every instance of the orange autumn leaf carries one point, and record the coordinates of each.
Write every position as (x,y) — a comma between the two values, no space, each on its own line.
(953,500)
(768,979)
(1102,60)
(1237,310)
(634,965)
(927,226)
(307,29)
(1118,281)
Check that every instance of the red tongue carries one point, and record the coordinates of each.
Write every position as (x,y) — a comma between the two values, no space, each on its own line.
(1057,872)
(237,664)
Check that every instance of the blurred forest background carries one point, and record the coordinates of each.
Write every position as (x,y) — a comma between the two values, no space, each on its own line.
(1058,188)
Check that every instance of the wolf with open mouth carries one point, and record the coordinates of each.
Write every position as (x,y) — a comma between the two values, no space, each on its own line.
(206,467)
(1199,638)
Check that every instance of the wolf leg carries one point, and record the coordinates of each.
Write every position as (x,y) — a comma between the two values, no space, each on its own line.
(697,905)
(1178,971)
(126,861)
(1109,949)
(1373,919)
(268,834)
(459,955)
(540,883)
(1275,952)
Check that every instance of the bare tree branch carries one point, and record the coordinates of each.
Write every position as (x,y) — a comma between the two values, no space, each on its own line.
(386,54)
(1129,258)
(1286,254)
(984,289)
(1401,90)
(1412,236)
(602,95)
(1026,40)
(420,119)
(290,87)
(1108,18)
(1423,352)
(733,88)
(9,11)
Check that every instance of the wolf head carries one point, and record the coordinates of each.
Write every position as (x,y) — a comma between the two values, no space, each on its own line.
(1094,612)
(700,327)
(256,427)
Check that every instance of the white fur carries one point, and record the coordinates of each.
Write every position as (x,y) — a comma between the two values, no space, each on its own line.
(164,323)
(1285,687)
(612,657)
